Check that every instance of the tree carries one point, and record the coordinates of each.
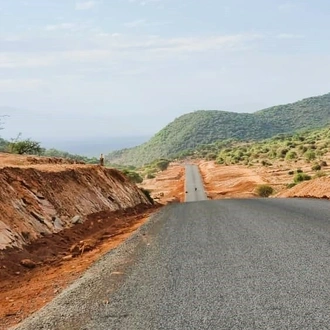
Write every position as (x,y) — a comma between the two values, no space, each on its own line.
(27,146)
(133,176)
(163,164)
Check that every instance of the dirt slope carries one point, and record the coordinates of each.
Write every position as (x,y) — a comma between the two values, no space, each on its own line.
(317,188)
(56,218)
(43,199)
(238,181)
(229,181)
(167,186)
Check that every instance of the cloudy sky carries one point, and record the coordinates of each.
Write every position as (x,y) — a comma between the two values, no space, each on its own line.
(129,67)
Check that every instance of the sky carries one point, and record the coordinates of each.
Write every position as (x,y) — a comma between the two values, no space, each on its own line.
(100,68)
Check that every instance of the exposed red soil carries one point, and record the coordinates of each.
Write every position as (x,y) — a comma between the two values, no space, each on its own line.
(21,160)
(317,188)
(59,259)
(43,199)
(229,181)
(168,186)
(41,260)
(239,181)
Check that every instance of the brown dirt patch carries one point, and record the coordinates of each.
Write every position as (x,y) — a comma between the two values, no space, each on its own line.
(229,181)
(60,258)
(239,181)
(168,186)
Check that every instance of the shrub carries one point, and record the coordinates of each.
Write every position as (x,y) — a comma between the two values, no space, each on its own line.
(299,177)
(299,170)
(163,164)
(265,163)
(150,176)
(220,160)
(264,190)
(323,163)
(133,176)
(211,156)
(290,185)
(282,152)
(310,155)
(25,147)
(291,155)
(316,167)
(291,172)
(319,174)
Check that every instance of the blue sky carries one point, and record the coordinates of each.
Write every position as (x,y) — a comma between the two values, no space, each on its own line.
(129,67)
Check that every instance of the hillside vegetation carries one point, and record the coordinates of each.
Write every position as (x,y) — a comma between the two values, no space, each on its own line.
(204,127)
(307,146)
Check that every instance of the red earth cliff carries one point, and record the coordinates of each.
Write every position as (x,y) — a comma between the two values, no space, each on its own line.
(44,199)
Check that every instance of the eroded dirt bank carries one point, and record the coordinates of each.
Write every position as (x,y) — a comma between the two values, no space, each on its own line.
(57,218)
(44,199)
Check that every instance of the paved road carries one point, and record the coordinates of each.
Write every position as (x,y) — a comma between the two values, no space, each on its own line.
(229,264)
(193,182)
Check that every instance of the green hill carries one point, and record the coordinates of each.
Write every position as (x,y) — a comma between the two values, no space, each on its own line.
(204,127)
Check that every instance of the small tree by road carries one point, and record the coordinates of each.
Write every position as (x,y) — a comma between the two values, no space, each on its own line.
(28,146)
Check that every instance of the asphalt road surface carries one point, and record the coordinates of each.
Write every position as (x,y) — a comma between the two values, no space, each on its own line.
(229,264)
(194,187)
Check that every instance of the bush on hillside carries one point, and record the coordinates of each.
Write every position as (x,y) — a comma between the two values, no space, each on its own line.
(28,146)
(299,177)
(291,155)
(163,164)
(319,174)
(133,176)
(316,167)
(265,163)
(264,190)
(309,155)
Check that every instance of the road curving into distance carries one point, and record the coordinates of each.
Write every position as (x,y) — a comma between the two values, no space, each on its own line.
(228,264)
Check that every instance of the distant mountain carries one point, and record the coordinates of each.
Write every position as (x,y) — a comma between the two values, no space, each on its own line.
(203,127)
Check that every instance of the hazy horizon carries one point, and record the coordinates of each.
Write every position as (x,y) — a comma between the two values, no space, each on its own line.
(86,68)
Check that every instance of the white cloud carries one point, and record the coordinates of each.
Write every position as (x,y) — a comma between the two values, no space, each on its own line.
(107,48)
(86,5)
(289,36)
